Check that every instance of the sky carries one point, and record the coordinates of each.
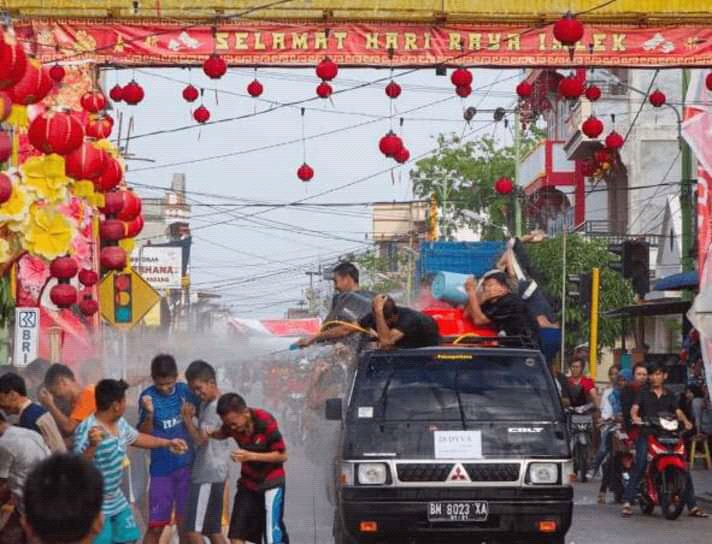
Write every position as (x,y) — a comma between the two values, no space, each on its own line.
(256,257)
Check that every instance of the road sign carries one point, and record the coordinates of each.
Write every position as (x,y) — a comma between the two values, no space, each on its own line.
(27,335)
(125,298)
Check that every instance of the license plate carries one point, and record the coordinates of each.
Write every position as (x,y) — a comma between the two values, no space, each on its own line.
(458,511)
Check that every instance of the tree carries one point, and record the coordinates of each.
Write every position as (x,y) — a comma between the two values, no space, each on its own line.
(462,175)
(383,274)
(581,256)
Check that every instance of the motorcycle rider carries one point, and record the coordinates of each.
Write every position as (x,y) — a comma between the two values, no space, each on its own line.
(652,402)
(581,388)
(610,415)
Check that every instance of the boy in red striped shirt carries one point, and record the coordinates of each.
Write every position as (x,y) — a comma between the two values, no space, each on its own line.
(259,503)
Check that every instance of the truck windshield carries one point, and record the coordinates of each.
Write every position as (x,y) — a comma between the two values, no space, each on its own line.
(493,388)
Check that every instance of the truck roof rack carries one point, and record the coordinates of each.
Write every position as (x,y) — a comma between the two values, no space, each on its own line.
(522,342)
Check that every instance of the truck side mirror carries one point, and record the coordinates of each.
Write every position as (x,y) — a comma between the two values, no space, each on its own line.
(333,409)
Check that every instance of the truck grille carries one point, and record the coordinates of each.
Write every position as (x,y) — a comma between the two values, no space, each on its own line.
(424,472)
(493,472)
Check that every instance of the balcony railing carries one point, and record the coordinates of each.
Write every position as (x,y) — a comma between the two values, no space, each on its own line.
(598,229)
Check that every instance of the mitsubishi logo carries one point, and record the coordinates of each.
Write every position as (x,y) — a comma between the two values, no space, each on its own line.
(458,474)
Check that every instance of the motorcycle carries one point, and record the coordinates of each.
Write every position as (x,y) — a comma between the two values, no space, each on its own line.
(581,425)
(666,474)
(618,467)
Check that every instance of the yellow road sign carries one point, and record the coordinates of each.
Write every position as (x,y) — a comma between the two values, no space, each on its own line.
(125,298)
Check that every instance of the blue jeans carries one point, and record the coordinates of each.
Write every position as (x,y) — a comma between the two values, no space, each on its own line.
(604,448)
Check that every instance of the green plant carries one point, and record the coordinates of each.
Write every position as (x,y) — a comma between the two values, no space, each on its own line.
(581,256)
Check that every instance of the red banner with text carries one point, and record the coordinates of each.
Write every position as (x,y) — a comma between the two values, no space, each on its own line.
(288,44)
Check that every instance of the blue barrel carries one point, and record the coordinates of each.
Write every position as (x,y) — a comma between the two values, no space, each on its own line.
(450,287)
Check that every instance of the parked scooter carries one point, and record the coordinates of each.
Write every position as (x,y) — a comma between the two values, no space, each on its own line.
(666,475)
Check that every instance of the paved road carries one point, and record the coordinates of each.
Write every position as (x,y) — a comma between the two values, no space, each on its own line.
(309,516)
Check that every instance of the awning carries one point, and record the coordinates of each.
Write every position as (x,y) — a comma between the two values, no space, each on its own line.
(677,282)
(650,309)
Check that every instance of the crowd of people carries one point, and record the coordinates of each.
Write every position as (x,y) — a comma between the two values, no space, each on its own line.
(63,460)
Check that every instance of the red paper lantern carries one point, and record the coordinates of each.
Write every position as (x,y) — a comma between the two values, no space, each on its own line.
(85,162)
(93,101)
(463,91)
(113,258)
(5,146)
(63,268)
(593,92)
(525,89)
(113,203)
(568,30)
(327,69)
(504,186)
(201,114)
(461,77)
(131,207)
(112,230)
(117,93)
(708,81)
(57,73)
(5,187)
(5,106)
(34,85)
(63,295)
(390,144)
(55,132)
(571,87)
(657,98)
(393,90)
(255,89)
(134,228)
(190,94)
(110,177)
(592,127)
(88,306)
(305,172)
(402,156)
(13,62)
(324,90)
(132,94)
(614,141)
(88,277)
(214,66)
(99,126)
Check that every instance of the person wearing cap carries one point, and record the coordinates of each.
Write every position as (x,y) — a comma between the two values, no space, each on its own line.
(495,304)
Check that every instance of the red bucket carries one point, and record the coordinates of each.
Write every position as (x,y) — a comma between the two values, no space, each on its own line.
(452,322)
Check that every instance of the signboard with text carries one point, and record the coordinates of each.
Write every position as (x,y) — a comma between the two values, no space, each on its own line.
(27,335)
(160,266)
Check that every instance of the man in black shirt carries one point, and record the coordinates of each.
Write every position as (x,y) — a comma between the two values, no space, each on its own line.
(400,327)
(496,305)
(653,402)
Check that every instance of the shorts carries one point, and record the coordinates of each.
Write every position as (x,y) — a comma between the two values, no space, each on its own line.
(205,508)
(119,528)
(257,514)
(167,494)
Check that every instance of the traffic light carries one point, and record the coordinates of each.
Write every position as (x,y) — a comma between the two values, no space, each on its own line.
(123,312)
(634,264)
(583,288)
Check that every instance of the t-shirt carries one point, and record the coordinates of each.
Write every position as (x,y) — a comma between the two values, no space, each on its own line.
(109,459)
(650,405)
(265,437)
(578,391)
(36,418)
(419,330)
(85,405)
(212,459)
(168,423)
(350,306)
(509,314)
(20,450)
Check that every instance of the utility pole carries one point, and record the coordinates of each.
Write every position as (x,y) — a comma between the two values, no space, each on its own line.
(517,161)
(593,324)
(311,298)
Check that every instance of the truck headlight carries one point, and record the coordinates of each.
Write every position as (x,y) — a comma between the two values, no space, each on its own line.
(543,473)
(372,473)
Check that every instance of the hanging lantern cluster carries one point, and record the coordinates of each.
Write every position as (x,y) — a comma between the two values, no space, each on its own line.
(614,141)
(63,294)
(122,219)
(571,87)
(132,93)
(55,132)
(99,126)
(462,78)
(392,146)
(326,70)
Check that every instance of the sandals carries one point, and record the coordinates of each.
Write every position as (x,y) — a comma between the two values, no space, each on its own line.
(628,511)
(601,498)
(697,512)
